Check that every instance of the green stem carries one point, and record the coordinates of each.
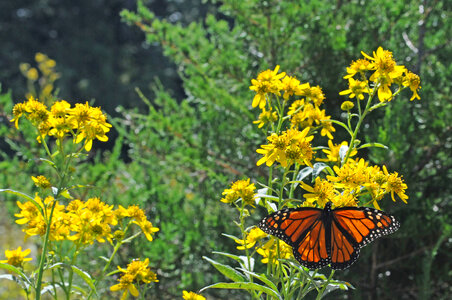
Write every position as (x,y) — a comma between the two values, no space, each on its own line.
(71,274)
(320,294)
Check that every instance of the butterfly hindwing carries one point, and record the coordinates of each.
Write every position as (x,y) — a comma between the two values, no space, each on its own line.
(312,251)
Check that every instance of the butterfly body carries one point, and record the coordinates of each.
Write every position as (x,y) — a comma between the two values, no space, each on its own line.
(328,236)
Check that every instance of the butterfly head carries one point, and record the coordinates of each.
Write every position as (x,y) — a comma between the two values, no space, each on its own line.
(328,206)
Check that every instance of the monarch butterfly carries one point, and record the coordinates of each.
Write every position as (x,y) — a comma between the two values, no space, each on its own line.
(328,236)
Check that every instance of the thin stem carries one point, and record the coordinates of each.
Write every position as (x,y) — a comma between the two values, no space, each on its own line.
(320,294)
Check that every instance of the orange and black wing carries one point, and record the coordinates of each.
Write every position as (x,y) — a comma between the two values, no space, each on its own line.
(304,230)
(353,228)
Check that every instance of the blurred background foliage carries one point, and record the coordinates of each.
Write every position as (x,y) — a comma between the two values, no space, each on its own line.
(175,77)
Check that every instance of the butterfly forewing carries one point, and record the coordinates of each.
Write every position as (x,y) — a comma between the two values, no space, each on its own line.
(290,225)
(364,224)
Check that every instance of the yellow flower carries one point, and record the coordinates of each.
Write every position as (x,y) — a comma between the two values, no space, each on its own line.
(137,272)
(241,189)
(334,151)
(267,82)
(33,217)
(346,198)
(395,185)
(292,146)
(269,251)
(90,123)
(147,228)
(322,192)
(252,237)
(359,66)
(41,182)
(290,86)
(295,107)
(16,257)
(192,296)
(356,89)
(386,70)
(267,116)
(90,221)
(350,175)
(412,81)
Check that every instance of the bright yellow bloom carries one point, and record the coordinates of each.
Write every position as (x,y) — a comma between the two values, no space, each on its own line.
(32,216)
(395,185)
(252,237)
(292,146)
(147,228)
(269,251)
(91,221)
(322,192)
(351,175)
(412,81)
(334,151)
(137,272)
(359,66)
(295,107)
(192,296)
(290,86)
(356,89)
(346,198)
(267,82)
(90,123)
(386,70)
(240,189)
(41,182)
(16,257)
(267,116)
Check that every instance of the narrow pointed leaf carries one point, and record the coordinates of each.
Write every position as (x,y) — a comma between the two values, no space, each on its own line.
(244,286)
(226,270)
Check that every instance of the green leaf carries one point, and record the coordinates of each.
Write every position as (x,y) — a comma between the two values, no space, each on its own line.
(318,168)
(343,125)
(86,277)
(263,278)
(226,270)
(244,286)
(51,163)
(377,145)
(17,193)
(234,257)
(305,172)
(17,271)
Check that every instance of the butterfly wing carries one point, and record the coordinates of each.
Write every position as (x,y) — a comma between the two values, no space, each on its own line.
(304,230)
(353,228)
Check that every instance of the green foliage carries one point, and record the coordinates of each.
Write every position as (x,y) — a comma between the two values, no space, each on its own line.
(314,40)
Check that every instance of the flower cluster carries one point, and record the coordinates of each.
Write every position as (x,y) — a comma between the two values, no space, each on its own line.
(268,250)
(303,112)
(291,146)
(240,189)
(44,76)
(353,180)
(137,273)
(82,122)
(82,222)
(386,72)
